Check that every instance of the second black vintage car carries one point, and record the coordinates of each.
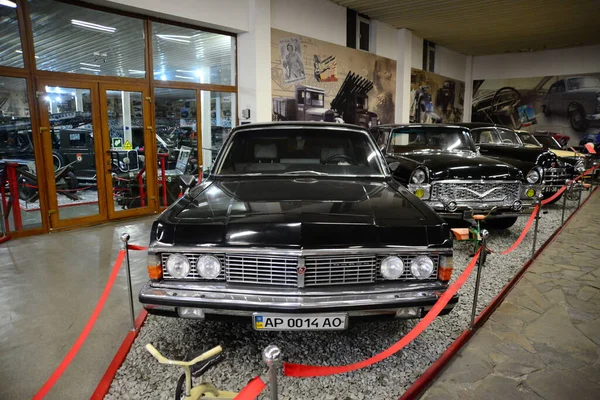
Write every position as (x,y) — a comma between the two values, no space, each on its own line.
(441,165)
(539,166)
(299,226)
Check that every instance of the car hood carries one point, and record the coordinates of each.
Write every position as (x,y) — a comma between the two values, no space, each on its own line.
(464,166)
(300,213)
(521,157)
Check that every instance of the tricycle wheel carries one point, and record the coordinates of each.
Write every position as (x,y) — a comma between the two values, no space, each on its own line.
(501,223)
(27,187)
(180,389)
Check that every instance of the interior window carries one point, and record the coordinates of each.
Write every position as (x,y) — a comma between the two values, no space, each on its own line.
(508,137)
(427,138)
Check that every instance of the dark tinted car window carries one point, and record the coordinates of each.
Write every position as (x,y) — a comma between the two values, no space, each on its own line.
(428,138)
(297,151)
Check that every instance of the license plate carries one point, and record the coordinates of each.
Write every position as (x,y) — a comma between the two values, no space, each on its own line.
(287,322)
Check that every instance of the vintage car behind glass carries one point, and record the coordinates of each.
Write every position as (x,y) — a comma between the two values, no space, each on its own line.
(539,166)
(441,165)
(298,226)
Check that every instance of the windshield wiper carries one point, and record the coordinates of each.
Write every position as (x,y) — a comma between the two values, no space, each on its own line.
(310,172)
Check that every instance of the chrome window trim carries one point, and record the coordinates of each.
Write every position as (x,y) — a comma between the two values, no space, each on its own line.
(417,250)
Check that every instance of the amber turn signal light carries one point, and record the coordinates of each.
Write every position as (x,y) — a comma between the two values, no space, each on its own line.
(445,268)
(154,267)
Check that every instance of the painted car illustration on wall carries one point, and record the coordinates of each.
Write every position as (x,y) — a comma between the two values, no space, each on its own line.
(577,98)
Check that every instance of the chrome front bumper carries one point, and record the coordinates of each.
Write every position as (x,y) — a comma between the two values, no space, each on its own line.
(242,300)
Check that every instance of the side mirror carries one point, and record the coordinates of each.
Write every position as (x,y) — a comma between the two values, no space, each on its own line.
(382,148)
(478,149)
(394,166)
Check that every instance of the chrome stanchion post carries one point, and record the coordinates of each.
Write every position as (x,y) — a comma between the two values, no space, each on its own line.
(272,357)
(579,198)
(484,235)
(535,231)
(125,239)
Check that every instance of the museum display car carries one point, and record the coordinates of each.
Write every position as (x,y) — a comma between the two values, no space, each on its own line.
(538,165)
(440,164)
(299,226)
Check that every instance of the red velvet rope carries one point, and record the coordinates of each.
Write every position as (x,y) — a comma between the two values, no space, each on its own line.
(136,247)
(252,389)
(84,333)
(300,370)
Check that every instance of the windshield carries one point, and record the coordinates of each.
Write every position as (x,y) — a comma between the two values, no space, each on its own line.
(528,138)
(421,138)
(581,82)
(549,142)
(500,136)
(301,152)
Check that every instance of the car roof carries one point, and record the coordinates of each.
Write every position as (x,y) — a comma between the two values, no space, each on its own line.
(415,125)
(299,124)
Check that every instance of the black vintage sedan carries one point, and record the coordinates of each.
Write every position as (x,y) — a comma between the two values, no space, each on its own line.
(299,226)
(539,166)
(441,165)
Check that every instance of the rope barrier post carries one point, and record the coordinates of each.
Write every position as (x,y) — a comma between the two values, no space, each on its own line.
(272,357)
(535,231)
(484,235)
(562,219)
(125,239)
(579,198)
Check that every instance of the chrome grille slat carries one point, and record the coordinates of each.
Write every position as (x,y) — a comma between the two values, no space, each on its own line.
(331,270)
(462,191)
(247,268)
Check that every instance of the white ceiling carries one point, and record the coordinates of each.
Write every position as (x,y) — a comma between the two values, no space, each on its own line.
(478,27)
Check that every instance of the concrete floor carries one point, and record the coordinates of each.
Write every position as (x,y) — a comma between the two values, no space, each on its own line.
(49,285)
(543,342)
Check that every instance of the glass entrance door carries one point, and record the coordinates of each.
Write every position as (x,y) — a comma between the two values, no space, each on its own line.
(69,130)
(130,175)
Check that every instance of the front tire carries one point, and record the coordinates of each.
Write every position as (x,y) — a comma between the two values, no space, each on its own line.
(501,223)
(577,118)
(57,159)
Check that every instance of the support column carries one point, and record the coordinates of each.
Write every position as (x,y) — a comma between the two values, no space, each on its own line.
(254,51)
(468,106)
(126,107)
(403,65)
(206,130)
(79,100)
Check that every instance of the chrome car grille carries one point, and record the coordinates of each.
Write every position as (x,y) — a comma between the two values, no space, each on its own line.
(283,270)
(475,191)
(555,176)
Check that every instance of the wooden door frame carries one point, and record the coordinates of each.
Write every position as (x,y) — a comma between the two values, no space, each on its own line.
(149,149)
(53,218)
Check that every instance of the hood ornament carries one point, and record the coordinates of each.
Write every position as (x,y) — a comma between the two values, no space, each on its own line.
(481,195)
(301,271)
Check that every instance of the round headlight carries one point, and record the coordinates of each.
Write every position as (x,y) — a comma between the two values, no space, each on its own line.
(178,266)
(421,267)
(392,267)
(418,176)
(533,176)
(209,267)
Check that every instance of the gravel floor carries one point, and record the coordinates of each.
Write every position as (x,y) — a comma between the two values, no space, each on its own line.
(141,377)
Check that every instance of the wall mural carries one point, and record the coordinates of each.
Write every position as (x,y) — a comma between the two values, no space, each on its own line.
(435,98)
(314,80)
(568,106)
